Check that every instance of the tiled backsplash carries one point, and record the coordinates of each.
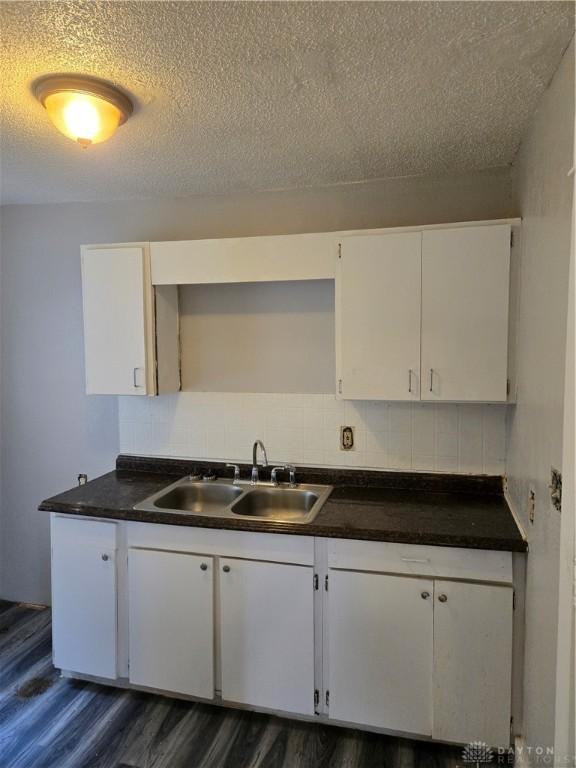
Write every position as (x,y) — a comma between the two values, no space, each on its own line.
(305,429)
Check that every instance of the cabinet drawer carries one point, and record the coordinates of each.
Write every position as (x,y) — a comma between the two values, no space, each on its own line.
(443,562)
(243,544)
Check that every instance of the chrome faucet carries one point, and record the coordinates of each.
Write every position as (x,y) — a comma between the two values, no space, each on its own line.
(258,444)
(289,468)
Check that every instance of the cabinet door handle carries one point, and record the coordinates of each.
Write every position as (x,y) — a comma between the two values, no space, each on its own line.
(425,595)
(134,377)
(226,568)
(442,598)
(204,567)
(431,378)
(409,379)
(105,558)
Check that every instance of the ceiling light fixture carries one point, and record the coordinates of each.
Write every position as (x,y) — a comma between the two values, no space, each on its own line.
(86,109)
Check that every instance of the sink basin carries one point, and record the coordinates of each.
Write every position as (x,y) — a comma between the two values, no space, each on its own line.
(224,498)
(198,497)
(285,504)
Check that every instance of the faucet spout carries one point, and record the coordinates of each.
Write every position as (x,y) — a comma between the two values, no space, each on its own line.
(258,444)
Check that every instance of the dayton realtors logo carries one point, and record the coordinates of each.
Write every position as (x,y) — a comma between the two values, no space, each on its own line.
(477,753)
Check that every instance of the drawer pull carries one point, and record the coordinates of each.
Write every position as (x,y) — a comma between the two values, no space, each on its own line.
(423,560)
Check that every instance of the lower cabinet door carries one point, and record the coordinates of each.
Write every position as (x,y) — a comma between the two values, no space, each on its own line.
(84,596)
(267,635)
(171,624)
(380,635)
(472,662)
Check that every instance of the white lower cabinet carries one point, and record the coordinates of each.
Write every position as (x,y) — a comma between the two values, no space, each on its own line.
(171,625)
(472,662)
(267,635)
(84,596)
(404,638)
(380,650)
(422,656)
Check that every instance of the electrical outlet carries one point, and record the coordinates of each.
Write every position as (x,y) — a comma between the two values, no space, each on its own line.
(346,438)
(531,505)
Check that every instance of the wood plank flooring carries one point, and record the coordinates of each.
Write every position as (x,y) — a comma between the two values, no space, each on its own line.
(50,722)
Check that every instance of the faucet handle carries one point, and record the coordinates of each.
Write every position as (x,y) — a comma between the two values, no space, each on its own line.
(273,474)
(236,469)
(292,469)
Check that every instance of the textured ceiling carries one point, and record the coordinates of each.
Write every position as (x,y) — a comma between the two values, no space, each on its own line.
(233,95)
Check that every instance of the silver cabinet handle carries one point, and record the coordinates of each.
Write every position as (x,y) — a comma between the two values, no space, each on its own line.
(442,598)
(226,568)
(409,379)
(204,567)
(134,380)
(431,378)
(425,595)
(423,560)
(105,558)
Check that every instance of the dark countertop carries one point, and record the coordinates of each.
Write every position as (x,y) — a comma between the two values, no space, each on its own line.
(412,508)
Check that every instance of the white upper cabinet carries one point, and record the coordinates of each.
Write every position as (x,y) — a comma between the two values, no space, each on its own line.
(115,312)
(244,259)
(119,322)
(378,317)
(424,315)
(465,288)
(419,314)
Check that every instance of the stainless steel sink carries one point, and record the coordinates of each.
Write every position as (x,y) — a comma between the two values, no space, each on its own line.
(289,504)
(233,500)
(198,498)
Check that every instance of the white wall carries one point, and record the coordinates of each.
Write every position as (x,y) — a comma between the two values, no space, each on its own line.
(239,337)
(50,430)
(565,733)
(544,194)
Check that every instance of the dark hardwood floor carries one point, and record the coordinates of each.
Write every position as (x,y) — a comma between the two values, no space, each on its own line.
(50,722)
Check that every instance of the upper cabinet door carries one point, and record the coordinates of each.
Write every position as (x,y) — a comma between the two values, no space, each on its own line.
(465,287)
(118,330)
(378,317)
